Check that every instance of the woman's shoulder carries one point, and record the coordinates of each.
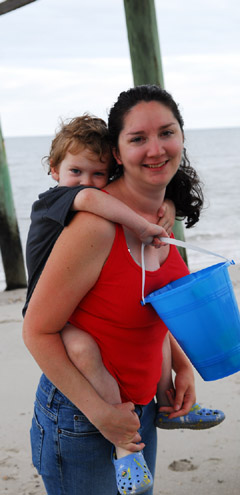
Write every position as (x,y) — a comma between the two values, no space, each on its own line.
(91,226)
(85,242)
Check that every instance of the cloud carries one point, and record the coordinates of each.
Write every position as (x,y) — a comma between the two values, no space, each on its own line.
(80,85)
(207,87)
(60,59)
(35,99)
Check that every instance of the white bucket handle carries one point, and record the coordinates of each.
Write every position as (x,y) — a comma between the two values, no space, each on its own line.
(176,242)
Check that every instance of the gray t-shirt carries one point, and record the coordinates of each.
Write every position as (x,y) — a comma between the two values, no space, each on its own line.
(50,214)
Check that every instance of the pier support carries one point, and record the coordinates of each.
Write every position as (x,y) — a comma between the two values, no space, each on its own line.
(10,243)
(146,58)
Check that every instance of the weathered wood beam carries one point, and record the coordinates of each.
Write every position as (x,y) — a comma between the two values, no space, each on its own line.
(146,58)
(10,243)
(144,42)
(10,5)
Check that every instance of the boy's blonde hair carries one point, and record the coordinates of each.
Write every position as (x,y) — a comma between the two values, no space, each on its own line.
(78,133)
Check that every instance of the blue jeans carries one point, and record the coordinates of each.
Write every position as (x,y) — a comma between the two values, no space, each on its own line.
(70,454)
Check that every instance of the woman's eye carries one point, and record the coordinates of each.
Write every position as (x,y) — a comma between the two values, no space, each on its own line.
(167,133)
(137,139)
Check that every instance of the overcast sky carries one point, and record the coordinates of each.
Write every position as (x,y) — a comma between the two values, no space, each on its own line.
(65,57)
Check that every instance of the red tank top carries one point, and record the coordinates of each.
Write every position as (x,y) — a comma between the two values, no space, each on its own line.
(129,335)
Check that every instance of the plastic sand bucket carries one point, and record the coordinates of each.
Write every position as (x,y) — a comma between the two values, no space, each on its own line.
(201,312)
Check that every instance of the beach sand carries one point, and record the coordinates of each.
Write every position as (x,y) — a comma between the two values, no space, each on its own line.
(198,462)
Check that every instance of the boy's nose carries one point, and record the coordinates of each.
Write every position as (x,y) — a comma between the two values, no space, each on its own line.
(86,180)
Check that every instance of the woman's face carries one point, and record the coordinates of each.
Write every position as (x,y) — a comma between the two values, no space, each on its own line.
(150,144)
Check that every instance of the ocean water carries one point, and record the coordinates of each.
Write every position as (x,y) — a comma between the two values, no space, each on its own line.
(215,153)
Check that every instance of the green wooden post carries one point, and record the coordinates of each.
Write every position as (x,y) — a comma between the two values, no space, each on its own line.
(144,42)
(146,58)
(10,243)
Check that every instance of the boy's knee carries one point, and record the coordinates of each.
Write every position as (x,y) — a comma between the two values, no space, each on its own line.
(81,348)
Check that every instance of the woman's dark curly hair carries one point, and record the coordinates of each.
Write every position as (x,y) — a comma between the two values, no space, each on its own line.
(185,187)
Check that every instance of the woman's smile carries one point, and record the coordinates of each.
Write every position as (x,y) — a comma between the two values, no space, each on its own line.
(155,166)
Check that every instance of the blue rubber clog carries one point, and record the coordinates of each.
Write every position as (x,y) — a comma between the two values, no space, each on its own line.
(132,474)
(198,418)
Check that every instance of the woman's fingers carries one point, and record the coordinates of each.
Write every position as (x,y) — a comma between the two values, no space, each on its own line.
(120,424)
(132,447)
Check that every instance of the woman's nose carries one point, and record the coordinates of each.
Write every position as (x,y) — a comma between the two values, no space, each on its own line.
(155,147)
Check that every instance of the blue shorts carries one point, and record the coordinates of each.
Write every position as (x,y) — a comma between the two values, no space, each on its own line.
(70,454)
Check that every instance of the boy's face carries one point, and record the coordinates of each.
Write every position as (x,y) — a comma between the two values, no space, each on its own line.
(82,169)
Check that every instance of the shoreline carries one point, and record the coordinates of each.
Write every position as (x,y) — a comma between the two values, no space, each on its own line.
(188,461)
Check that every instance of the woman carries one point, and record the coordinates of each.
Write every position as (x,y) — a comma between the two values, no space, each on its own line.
(93,273)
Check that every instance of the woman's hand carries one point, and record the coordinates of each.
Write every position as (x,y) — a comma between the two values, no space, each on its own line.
(185,392)
(167,215)
(119,423)
(183,398)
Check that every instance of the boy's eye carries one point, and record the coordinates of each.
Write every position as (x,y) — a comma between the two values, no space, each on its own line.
(76,171)
(100,174)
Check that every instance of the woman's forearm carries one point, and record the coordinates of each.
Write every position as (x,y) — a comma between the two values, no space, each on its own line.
(179,358)
(185,395)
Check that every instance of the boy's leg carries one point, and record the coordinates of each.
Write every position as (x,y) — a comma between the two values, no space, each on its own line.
(165,383)
(85,355)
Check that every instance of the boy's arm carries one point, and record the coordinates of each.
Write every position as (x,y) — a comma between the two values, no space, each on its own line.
(111,208)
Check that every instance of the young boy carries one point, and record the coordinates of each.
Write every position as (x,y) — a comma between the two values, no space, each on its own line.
(80,160)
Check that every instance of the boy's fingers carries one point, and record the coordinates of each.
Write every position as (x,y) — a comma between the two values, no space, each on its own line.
(161,212)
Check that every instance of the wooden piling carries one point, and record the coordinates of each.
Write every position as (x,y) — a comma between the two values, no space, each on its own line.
(10,243)
(9,5)
(146,60)
(144,42)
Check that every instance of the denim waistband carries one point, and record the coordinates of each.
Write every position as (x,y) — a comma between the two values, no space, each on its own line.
(53,394)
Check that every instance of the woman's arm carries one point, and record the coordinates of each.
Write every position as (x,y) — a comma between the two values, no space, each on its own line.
(70,272)
(184,382)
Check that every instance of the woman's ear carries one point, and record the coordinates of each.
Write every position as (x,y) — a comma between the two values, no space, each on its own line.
(117,156)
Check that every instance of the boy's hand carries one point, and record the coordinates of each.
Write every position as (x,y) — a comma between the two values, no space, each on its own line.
(167,214)
(151,233)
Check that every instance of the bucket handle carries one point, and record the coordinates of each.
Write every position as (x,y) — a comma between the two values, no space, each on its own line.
(176,242)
